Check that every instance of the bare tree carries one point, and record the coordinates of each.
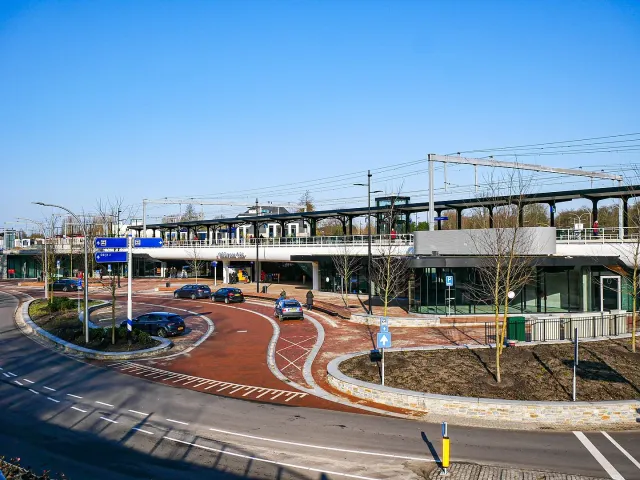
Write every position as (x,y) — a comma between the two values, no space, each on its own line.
(189,214)
(195,260)
(307,202)
(390,265)
(504,252)
(346,264)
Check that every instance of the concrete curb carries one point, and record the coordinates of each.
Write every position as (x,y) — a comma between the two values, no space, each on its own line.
(374,320)
(554,413)
(28,326)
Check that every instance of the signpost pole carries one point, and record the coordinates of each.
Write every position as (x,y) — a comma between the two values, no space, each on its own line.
(575,360)
(129,282)
(215,274)
(382,366)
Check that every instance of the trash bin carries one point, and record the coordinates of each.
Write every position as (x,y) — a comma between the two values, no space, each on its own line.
(167,284)
(264,289)
(516,329)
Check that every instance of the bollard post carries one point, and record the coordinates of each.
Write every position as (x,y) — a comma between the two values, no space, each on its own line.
(445,448)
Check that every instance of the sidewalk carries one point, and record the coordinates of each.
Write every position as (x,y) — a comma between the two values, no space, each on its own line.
(469,471)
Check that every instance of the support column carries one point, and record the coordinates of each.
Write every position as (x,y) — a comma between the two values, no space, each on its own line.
(521,215)
(459,218)
(315,269)
(594,211)
(163,269)
(225,271)
(350,226)
(439,214)
(344,226)
(407,222)
(314,224)
(490,216)
(282,234)
(552,214)
(625,213)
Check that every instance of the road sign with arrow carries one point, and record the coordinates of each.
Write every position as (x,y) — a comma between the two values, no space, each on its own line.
(384,340)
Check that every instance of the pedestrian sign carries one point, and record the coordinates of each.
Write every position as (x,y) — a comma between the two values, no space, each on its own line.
(109,268)
(383,340)
(448,279)
(384,324)
(58,264)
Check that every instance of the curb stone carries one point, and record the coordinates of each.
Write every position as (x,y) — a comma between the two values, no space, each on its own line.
(28,326)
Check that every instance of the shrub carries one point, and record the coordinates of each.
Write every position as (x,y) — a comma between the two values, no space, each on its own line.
(60,304)
(13,471)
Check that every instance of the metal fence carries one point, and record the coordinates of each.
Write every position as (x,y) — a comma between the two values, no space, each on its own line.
(328,241)
(548,328)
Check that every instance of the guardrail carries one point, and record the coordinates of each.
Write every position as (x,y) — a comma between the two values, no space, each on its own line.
(597,235)
(550,328)
(329,241)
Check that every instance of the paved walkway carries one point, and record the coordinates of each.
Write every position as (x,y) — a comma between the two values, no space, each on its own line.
(467,471)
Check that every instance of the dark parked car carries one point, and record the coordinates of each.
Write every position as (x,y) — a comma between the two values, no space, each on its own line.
(65,285)
(161,324)
(193,292)
(288,308)
(228,295)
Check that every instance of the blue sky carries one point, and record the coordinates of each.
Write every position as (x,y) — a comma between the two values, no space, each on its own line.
(149,99)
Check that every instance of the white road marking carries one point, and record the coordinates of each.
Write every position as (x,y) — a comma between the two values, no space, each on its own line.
(250,391)
(53,400)
(264,460)
(139,413)
(105,404)
(27,380)
(72,395)
(50,389)
(143,431)
(12,374)
(1,368)
(241,331)
(604,463)
(6,375)
(33,391)
(263,393)
(236,389)
(108,419)
(212,385)
(273,398)
(176,421)
(320,447)
(16,381)
(191,381)
(624,452)
(79,409)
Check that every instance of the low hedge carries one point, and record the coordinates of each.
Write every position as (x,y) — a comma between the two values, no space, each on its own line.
(13,471)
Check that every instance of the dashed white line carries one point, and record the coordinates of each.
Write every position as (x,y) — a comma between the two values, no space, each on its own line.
(236,389)
(105,404)
(72,395)
(108,419)
(50,389)
(6,375)
(12,374)
(79,409)
(27,380)
(624,452)
(33,391)
(176,421)
(139,413)
(280,393)
(264,460)
(241,331)
(16,381)
(604,463)
(53,400)
(214,384)
(320,447)
(143,431)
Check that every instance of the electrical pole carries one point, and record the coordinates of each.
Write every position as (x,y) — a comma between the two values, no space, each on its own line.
(257,232)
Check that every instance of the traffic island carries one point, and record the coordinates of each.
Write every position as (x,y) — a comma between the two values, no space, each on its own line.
(536,387)
(62,330)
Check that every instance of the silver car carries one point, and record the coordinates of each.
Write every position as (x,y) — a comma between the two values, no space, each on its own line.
(288,308)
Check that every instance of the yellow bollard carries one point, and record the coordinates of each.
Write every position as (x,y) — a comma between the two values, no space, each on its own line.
(445,453)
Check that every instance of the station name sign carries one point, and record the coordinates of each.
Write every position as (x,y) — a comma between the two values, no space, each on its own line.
(232,255)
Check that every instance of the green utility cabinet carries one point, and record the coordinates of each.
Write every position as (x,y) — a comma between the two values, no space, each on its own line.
(516,328)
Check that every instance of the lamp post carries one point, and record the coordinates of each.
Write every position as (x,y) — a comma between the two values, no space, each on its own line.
(369,192)
(257,237)
(46,258)
(86,263)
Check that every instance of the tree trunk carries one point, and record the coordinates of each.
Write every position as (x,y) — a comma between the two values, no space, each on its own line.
(634,314)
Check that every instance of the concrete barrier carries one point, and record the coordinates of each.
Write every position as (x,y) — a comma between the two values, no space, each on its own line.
(29,327)
(374,320)
(550,414)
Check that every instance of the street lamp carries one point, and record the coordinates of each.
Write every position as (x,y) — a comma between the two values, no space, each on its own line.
(86,263)
(369,192)
(257,270)
(46,259)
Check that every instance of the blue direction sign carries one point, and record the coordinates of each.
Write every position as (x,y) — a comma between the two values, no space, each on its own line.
(111,257)
(111,242)
(439,219)
(153,242)
(384,325)
(448,280)
(384,340)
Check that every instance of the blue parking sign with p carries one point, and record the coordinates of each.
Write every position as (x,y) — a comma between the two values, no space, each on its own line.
(448,279)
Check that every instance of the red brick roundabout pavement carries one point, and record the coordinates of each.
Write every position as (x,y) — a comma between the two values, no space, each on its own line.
(232,361)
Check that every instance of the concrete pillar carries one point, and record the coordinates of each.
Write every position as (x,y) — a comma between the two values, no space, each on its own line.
(586,289)
(163,269)
(552,214)
(314,224)
(282,234)
(459,218)
(625,213)
(344,226)
(315,268)
(225,271)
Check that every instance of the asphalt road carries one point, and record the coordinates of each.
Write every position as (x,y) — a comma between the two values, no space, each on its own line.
(90,422)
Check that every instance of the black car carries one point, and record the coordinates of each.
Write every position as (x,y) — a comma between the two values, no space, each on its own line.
(228,295)
(65,285)
(161,324)
(193,292)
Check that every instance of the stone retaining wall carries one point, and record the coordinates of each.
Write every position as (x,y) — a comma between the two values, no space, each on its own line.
(374,320)
(557,414)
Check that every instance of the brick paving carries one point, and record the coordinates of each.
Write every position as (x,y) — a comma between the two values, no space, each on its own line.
(469,471)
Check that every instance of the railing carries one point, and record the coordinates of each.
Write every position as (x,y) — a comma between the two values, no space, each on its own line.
(597,235)
(548,328)
(353,240)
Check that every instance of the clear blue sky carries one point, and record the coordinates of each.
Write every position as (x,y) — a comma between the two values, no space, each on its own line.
(146,99)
